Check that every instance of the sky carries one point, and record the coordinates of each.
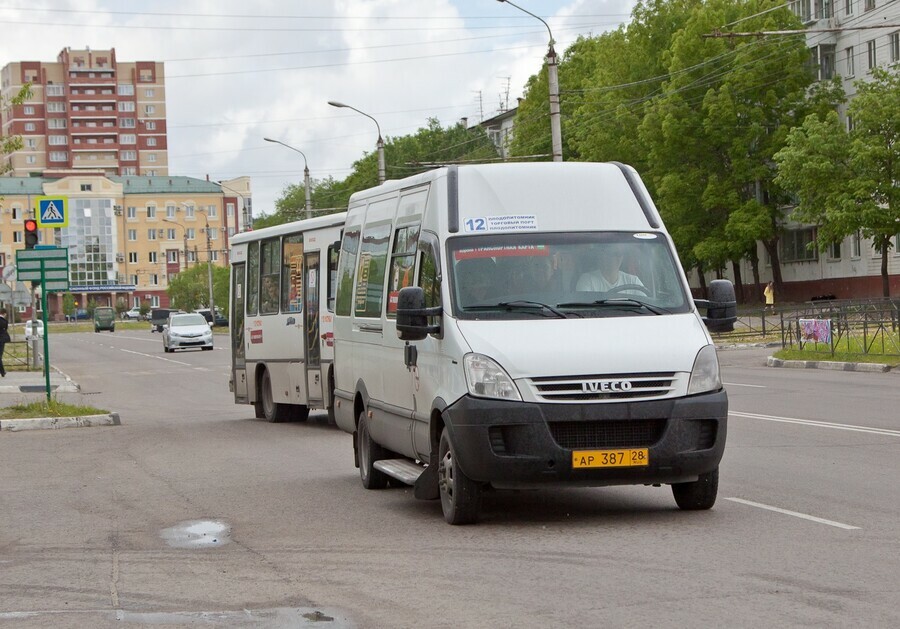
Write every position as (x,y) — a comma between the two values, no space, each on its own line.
(239,71)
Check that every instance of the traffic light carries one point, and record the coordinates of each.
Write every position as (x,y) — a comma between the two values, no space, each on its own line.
(31,233)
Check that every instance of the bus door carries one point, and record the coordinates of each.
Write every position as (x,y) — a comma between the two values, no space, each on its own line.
(313,354)
(238,356)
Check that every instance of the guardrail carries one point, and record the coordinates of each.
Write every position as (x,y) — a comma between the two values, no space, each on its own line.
(851,327)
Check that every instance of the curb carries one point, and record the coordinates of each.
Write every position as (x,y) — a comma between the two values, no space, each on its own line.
(50,423)
(68,387)
(771,361)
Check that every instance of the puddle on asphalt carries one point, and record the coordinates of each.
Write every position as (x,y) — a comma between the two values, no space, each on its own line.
(197,534)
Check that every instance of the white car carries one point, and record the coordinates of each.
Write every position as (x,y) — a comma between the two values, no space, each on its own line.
(185,330)
(134,314)
(30,333)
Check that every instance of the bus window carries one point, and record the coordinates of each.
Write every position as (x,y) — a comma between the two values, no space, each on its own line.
(292,274)
(269,275)
(333,256)
(403,260)
(252,278)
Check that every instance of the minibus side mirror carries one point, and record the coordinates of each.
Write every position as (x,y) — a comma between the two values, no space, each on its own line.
(721,307)
(412,315)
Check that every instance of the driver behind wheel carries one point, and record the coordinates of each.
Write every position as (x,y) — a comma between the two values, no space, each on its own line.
(609,275)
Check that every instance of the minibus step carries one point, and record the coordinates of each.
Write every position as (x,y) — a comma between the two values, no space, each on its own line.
(403,470)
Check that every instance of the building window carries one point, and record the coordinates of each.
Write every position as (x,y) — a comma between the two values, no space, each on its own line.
(126,105)
(153,257)
(834,251)
(798,245)
(869,5)
(57,123)
(29,110)
(127,138)
(86,187)
(129,156)
(126,123)
(151,235)
(57,140)
(189,211)
(213,233)
(895,46)
(848,7)
(151,125)
(170,233)
(29,126)
(30,159)
(151,211)
(851,71)
(133,258)
(190,233)
(58,156)
(131,212)
(170,211)
(17,236)
(129,170)
(149,109)
(151,141)
(870,50)
(856,245)
(126,89)
(154,279)
(149,93)
(172,256)
(56,107)
(211,211)
(230,232)
(17,214)
(192,256)
(132,234)
(151,157)
(134,281)
(54,90)
(213,256)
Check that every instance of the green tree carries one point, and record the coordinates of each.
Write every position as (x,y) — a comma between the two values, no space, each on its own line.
(189,289)
(69,305)
(847,181)
(11,143)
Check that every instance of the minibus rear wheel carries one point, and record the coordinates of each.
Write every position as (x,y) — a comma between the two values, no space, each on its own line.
(699,495)
(460,495)
(272,410)
(369,452)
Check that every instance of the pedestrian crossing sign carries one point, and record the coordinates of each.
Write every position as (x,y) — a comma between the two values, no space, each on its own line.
(52,212)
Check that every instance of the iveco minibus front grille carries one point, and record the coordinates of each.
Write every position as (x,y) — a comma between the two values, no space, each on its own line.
(607,433)
(599,388)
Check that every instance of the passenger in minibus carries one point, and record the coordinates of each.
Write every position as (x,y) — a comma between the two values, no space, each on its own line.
(608,275)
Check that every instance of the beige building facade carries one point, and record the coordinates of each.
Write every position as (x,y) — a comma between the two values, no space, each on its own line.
(87,111)
(127,237)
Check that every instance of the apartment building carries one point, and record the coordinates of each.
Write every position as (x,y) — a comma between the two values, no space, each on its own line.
(87,111)
(127,236)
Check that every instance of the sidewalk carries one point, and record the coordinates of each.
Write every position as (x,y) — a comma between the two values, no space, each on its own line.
(34,382)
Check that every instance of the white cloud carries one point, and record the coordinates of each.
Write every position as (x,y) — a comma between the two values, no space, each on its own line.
(238,72)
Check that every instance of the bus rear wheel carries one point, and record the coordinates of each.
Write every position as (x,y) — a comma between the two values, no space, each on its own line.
(272,410)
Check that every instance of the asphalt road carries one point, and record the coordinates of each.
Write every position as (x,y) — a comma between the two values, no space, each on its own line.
(93,520)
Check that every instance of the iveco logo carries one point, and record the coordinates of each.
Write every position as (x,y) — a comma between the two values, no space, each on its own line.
(605,386)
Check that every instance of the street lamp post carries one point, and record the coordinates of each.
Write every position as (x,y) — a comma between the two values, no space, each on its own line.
(553,81)
(305,174)
(379,145)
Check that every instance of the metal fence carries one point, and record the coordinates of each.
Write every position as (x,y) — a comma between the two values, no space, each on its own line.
(846,326)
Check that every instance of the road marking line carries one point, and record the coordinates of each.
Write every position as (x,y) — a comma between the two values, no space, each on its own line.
(796,514)
(818,424)
(168,360)
(734,384)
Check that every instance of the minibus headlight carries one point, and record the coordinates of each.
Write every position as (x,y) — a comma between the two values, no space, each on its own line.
(705,374)
(486,378)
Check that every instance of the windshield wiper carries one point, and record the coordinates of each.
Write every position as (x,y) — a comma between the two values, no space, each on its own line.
(521,305)
(627,302)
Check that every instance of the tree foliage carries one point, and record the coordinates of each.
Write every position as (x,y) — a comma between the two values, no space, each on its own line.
(9,144)
(189,289)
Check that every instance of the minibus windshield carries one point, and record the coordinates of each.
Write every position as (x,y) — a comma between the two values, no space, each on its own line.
(588,274)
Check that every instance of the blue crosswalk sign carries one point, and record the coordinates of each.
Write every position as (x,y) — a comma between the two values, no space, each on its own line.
(52,212)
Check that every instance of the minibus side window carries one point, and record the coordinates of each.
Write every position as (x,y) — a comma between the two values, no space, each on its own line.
(349,247)
(403,262)
(429,275)
(370,270)
(252,278)
(269,275)
(333,255)
(292,274)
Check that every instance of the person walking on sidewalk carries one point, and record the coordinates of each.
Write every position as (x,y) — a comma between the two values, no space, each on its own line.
(4,339)
(769,293)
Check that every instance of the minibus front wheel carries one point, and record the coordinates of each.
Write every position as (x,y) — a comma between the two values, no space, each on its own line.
(698,495)
(369,452)
(460,495)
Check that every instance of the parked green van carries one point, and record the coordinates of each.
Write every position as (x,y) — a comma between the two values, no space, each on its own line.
(104,319)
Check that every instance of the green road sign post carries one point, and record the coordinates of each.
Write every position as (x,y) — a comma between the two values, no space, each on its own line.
(50,267)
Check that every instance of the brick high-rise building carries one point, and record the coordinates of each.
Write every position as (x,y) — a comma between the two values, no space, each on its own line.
(87,111)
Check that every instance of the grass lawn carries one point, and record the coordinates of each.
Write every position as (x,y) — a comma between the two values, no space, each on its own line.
(43,408)
(839,357)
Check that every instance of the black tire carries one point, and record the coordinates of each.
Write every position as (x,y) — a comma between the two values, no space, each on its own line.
(331,418)
(272,410)
(460,495)
(206,349)
(698,495)
(369,452)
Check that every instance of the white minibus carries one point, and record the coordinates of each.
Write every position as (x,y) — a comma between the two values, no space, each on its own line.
(520,326)
(281,309)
